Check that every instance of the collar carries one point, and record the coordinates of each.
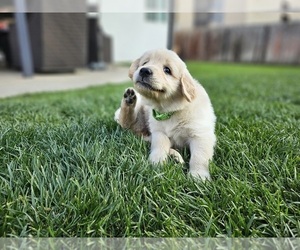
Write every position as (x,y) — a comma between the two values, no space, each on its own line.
(161,116)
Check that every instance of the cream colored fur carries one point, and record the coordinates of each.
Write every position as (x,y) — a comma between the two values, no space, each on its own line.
(193,123)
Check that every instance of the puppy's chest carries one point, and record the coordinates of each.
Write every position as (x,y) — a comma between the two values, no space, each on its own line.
(177,132)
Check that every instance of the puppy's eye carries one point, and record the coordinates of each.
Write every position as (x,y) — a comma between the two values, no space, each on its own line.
(167,70)
(144,63)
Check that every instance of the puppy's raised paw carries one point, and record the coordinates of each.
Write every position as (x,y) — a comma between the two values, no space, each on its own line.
(129,96)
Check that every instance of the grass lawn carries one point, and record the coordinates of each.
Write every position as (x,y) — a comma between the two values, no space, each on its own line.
(67,169)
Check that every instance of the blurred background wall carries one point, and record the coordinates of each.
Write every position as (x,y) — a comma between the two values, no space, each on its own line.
(222,30)
(136,26)
(65,35)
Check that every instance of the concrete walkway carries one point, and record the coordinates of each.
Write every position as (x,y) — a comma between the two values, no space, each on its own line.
(12,83)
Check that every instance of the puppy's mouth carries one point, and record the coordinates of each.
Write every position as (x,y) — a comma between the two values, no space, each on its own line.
(148,86)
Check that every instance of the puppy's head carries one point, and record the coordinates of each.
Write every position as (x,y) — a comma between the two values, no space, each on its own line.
(161,76)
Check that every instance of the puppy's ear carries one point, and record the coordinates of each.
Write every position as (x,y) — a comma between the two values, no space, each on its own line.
(134,66)
(188,86)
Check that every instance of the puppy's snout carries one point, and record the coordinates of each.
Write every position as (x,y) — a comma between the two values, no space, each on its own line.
(145,72)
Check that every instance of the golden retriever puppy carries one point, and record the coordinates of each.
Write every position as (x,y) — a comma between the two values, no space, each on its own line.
(171,109)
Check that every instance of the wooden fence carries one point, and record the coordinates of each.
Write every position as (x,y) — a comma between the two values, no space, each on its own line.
(256,44)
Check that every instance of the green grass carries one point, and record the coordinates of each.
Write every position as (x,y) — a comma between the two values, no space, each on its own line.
(67,169)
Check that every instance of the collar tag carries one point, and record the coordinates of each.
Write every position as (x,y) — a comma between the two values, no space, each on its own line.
(161,116)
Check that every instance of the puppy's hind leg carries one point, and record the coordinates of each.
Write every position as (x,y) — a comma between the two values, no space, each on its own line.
(126,115)
(176,155)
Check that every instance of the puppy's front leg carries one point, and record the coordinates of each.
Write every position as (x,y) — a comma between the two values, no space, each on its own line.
(160,147)
(127,114)
(201,153)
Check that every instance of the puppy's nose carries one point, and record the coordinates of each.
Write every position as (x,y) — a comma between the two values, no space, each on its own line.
(144,72)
